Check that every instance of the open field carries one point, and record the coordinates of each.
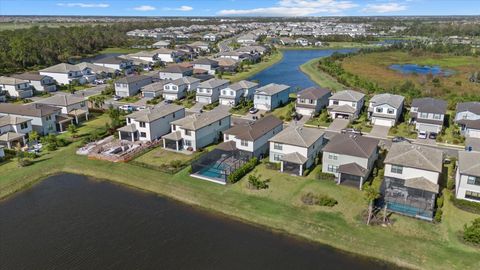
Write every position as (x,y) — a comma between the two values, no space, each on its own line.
(254,69)
(375,67)
(319,77)
(408,242)
(119,50)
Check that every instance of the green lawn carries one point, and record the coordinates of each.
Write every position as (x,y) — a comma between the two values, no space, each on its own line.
(362,123)
(403,130)
(322,120)
(451,132)
(319,77)
(119,50)
(408,242)
(285,112)
(266,62)
(160,157)
(130,99)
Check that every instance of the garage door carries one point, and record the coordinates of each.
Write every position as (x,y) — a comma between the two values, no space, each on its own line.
(306,112)
(148,94)
(474,133)
(203,99)
(427,128)
(227,102)
(383,122)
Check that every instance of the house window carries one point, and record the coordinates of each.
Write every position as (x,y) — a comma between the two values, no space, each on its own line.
(354,105)
(390,111)
(82,104)
(142,124)
(188,132)
(332,168)
(301,100)
(423,115)
(277,157)
(24,125)
(174,127)
(277,146)
(224,92)
(379,110)
(173,115)
(187,142)
(128,120)
(143,134)
(332,156)
(472,180)
(311,101)
(472,195)
(244,143)
(231,93)
(397,169)
(48,118)
(335,102)
(226,137)
(437,116)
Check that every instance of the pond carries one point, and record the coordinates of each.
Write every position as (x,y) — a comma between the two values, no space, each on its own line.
(93,58)
(288,72)
(421,70)
(73,222)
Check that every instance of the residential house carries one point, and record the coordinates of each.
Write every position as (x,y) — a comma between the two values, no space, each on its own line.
(96,71)
(45,118)
(467,177)
(248,38)
(296,148)
(151,123)
(271,96)
(66,73)
(346,104)
(161,44)
(232,94)
(200,46)
(38,82)
(16,88)
(238,56)
(385,109)
(311,100)
(210,37)
(208,65)
(209,91)
(428,114)
(252,139)
(2,152)
(350,158)
(167,55)
(197,131)
(129,86)
(153,90)
(177,89)
(285,41)
(468,118)
(115,62)
(302,42)
(411,177)
(14,130)
(227,64)
(175,72)
(71,105)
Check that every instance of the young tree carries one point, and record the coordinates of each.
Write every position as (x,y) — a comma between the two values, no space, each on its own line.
(33,136)
(73,130)
(472,233)
(371,194)
(97,101)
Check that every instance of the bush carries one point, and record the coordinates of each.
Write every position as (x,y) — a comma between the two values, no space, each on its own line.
(465,205)
(324,176)
(236,175)
(322,200)
(24,162)
(438,215)
(471,234)
(254,182)
(272,165)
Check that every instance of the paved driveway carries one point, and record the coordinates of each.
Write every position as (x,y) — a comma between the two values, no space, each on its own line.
(379,131)
(338,124)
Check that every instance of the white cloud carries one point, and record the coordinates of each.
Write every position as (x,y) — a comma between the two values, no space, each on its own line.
(295,8)
(182,8)
(83,5)
(384,8)
(144,8)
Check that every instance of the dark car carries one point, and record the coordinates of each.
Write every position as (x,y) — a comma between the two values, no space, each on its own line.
(432,135)
(351,131)
(168,101)
(400,139)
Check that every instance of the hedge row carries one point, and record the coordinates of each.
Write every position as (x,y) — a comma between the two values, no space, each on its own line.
(236,175)
(465,205)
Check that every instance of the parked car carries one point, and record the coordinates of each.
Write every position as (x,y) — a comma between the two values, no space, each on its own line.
(432,135)
(127,108)
(422,135)
(99,81)
(400,139)
(351,131)
(139,108)
(116,98)
(168,101)
(253,110)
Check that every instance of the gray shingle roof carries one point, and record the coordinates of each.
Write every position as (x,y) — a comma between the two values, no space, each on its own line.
(242,85)
(213,83)
(299,136)
(32,109)
(155,87)
(205,61)
(30,76)
(353,169)
(473,107)
(295,158)
(61,100)
(352,145)
(197,121)
(347,95)
(272,89)
(61,68)
(430,105)
(469,163)
(393,100)
(151,114)
(421,183)
(132,79)
(415,156)
(255,130)
(11,80)
(314,93)
(12,120)
(176,69)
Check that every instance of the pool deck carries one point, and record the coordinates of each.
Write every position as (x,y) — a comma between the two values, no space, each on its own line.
(214,180)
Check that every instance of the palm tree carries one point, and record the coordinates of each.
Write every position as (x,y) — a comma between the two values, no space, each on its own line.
(371,194)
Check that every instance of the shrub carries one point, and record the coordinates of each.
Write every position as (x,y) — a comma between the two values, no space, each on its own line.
(322,200)
(324,176)
(272,166)
(465,205)
(24,162)
(471,234)
(254,182)
(438,215)
(236,175)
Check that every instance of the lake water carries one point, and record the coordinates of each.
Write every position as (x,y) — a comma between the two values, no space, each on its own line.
(288,72)
(93,58)
(421,70)
(70,222)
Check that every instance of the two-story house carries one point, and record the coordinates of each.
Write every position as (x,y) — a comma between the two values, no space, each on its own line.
(428,114)
(176,89)
(66,73)
(385,109)
(350,158)
(44,117)
(210,37)
(167,55)
(16,88)
(346,104)
(41,83)
(209,91)
(130,86)
(468,118)
(150,124)
(311,100)
(71,105)
(196,131)
(231,95)
(467,177)
(13,130)
(146,57)
(175,72)
(205,64)
(296,148)
(248,38)
(271,96)
(116,63)
(252,139)
(410,183)
(153,90)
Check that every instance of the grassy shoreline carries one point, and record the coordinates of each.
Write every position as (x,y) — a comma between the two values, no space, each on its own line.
(256,68)
(319,77)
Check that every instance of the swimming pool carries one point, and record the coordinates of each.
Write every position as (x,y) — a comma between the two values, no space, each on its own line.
(215,171)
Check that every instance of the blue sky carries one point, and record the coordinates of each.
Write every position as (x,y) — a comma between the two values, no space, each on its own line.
(240,7)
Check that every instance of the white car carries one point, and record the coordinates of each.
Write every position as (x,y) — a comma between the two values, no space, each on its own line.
(127,108)
(422,134)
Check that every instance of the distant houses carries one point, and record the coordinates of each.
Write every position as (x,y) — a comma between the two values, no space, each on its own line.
(17,88)
(41,83)
(66,73)
(175,72)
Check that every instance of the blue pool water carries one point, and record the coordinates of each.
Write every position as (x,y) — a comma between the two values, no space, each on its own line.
(422,70)
(408,210)
(215,171)
(288,72)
